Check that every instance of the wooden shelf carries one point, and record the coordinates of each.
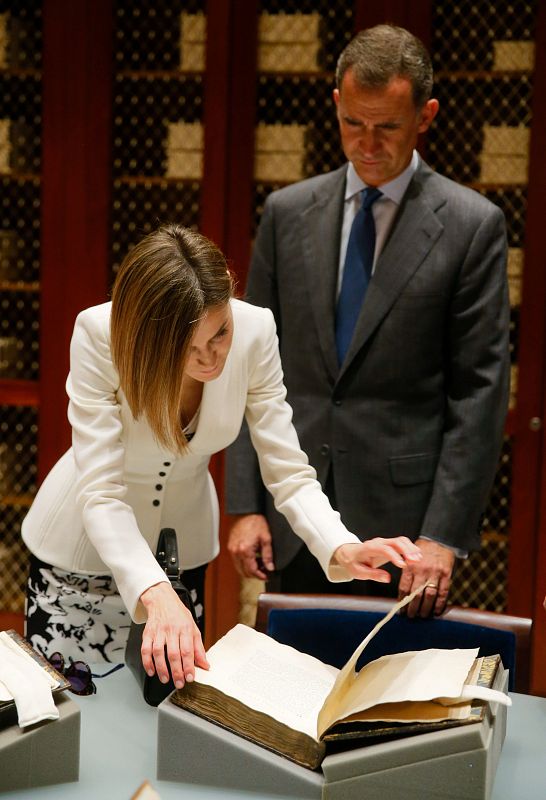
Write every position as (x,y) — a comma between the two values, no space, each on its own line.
(156,180)
(12,619)
(510,425)
(21,72)
(438,76)
(476,185)
(19,286)
(481,75)
(24,500)
(495,536)
(495,187)
(173,74)
(23,177)
(305,75)
(159,74)
(19,393)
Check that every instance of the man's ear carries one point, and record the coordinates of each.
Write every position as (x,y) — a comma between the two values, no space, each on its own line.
(428,112)
(335,94)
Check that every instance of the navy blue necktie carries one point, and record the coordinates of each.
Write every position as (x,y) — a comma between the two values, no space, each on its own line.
(357,271)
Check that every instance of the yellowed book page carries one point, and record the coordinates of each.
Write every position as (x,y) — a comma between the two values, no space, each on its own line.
(269,677)
(424,675)
(428,711)
(437,709)
(345,679)
(413,676)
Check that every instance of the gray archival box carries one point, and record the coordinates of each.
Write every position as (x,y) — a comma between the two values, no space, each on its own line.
(454,763)
(42,754)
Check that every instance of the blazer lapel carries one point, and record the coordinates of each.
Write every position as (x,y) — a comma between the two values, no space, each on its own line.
(414,233)
(321,233)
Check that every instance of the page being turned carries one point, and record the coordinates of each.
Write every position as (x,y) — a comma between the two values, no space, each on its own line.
(337,698)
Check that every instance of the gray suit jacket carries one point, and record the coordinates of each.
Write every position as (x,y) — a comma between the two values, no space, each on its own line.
(411,424)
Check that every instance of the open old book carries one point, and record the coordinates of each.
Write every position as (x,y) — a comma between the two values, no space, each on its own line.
(292,703)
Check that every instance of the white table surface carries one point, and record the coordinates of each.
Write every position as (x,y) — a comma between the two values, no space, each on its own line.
(118,751)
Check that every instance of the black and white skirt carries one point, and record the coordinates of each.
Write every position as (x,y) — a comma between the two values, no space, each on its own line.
(83,616)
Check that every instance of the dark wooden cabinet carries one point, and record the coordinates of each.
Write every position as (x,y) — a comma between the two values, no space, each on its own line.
(116,116)
(21,87)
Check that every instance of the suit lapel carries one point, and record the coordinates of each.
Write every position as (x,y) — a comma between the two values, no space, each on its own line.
(321,233)
(413,234)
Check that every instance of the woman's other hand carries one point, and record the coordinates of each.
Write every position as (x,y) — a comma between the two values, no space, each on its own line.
(170,625)
(362,560)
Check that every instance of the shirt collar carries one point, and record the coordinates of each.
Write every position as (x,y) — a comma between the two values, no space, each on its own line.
(394,190)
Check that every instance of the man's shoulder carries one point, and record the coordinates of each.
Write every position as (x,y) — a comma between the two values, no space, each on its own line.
(440,186)
(303,191)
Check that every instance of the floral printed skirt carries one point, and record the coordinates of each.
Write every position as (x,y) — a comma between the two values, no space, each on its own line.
(83,616)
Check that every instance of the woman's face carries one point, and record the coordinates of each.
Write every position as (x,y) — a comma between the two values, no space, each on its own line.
(210,344)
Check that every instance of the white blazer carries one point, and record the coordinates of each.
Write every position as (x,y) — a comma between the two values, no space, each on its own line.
(102,506)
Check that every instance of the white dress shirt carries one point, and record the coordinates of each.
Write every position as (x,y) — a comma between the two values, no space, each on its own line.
(384,209)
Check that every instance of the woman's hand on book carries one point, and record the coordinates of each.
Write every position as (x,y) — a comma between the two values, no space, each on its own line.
(362,560)
(170,625)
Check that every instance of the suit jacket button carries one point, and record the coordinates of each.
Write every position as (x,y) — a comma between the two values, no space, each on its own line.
(325,449)
(155,502)
(337,402)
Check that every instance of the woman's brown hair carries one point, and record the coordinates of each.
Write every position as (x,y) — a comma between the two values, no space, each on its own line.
(162,289)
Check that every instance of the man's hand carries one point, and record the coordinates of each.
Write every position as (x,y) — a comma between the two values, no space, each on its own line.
(249,545)
(170,625)
(434,569)
(362,560)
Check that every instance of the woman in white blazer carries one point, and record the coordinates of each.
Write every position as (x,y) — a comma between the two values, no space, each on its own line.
(159,380)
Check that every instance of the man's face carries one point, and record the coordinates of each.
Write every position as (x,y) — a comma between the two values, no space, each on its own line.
(379,127)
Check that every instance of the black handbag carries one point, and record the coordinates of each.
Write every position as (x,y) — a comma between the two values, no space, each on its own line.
(152,689)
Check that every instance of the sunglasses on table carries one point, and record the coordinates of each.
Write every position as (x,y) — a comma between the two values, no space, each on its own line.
(78,674)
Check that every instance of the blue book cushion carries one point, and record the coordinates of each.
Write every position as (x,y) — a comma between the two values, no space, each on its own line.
(333,635)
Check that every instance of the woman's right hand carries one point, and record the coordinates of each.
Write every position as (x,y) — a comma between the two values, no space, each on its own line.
(170,625)
(362,560)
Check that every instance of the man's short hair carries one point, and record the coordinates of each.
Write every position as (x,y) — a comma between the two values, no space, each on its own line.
(378,54)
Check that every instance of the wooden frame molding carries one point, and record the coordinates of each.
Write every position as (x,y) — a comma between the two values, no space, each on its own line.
(527,576)
(226,214)
(75,194)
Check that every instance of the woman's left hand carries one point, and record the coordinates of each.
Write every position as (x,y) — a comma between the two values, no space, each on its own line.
(170,625)
(362,560)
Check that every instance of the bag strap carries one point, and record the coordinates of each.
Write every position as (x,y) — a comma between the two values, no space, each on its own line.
(167,556)
(167,553)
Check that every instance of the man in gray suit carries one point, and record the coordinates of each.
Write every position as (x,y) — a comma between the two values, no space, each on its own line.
(404,421)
